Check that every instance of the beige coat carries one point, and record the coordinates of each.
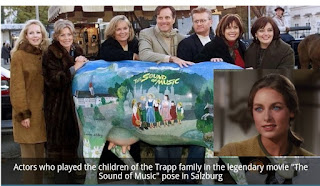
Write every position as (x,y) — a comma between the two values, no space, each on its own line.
(26,94)
(152,46)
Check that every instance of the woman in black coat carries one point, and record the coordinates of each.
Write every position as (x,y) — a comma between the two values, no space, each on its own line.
(226,46)
(121,43)
(60,63)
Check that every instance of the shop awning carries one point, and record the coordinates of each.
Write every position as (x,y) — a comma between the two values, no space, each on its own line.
(55,11)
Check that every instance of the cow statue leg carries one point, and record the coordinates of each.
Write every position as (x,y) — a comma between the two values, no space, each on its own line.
(92,150)
(209,159)
(128,160)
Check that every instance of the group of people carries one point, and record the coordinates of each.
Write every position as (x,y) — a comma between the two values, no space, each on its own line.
(41,73)
(152,112)
(43,108)
(163,43)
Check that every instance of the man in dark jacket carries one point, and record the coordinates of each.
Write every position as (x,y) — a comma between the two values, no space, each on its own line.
(191,46)
(188,49)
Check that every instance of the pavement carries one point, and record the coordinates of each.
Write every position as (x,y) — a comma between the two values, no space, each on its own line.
(6,66)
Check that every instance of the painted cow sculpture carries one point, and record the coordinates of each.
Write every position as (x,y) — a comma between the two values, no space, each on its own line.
(160,104)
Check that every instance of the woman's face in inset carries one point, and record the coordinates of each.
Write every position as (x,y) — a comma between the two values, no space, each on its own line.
(232,32)
(271,114)
(265,35)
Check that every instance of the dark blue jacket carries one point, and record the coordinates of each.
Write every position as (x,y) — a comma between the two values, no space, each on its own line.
(190,47)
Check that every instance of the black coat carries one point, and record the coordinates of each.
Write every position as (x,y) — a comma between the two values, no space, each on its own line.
(111,50)
(59,109)
(190,47)
(217,48)
(5,52)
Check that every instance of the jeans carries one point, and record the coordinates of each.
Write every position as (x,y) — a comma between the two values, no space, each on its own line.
(168,155)
(195,156)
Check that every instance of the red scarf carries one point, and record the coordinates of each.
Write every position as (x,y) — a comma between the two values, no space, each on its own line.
(237,57)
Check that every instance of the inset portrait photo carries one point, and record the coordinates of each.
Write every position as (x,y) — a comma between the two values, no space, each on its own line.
(266,113)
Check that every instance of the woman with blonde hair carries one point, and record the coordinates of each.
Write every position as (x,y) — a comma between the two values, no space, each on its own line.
(26,93)
(227,46)
(60,62)
(121,43)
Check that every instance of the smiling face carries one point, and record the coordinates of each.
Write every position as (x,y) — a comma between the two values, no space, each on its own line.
(122,32)
(34,35)
(165,20)
(202,23)
(232,32)
(271,114)
(265,35)
(65,38)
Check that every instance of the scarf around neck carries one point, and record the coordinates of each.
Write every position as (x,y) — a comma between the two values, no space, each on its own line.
(173,39)
(232,48)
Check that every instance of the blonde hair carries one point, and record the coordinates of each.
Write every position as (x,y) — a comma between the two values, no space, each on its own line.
(111,29)
(200,10)
(150,94)
(22,37)
(180,103)
(60,25)
(133,102)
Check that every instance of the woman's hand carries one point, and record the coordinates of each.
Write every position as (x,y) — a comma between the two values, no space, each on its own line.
(81,59)
(26,123)
(135,57)
(216,59)
(79,62)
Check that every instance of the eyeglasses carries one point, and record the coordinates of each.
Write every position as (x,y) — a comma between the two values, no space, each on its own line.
(200,21)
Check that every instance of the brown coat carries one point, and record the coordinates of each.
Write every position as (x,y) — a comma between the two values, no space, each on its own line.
(252,147)
(62,126)
(26,94)
(278,55)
